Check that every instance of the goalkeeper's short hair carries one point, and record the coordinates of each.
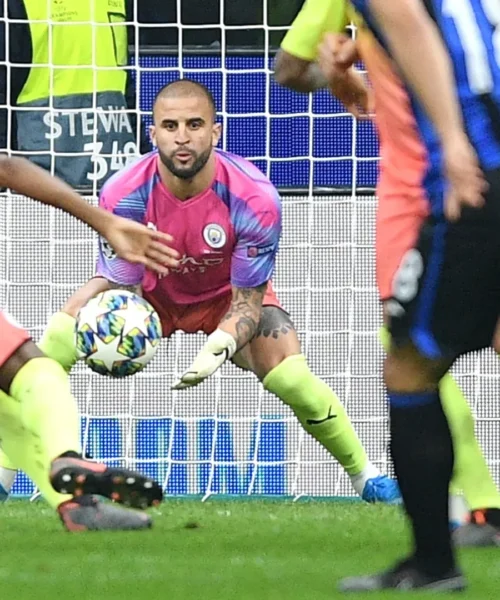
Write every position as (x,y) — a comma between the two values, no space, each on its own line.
(181,88)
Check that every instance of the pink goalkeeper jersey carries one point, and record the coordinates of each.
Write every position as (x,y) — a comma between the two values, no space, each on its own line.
(227,236)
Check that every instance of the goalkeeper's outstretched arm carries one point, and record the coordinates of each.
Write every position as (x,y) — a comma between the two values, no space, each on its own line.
(236,329)
(131,241)
(89,290)
(58,339)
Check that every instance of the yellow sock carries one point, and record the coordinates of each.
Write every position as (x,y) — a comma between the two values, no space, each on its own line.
(22,445)
(5,462)
(8,473)
(58,340)
(471,474)
(319,411)
(39,421)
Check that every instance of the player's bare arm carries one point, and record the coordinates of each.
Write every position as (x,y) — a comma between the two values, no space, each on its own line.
(308,76)
(295,64)
(419,52)
(138,244)
(134,289)
(236,329)
(337,53)
(58,338)
(131,241)
(243,317)
(298,74)
(92,288)
(418,49)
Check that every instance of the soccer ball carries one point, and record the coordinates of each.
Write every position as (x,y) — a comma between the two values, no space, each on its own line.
(117,333)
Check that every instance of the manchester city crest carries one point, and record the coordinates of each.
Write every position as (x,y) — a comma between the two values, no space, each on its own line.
(214,235)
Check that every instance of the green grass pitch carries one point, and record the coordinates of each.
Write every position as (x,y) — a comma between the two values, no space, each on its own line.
(218,550)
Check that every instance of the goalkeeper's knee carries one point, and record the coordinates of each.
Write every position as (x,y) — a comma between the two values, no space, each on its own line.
(58,340)
(295,384)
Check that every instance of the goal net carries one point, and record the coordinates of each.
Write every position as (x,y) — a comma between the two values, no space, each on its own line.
(228,436)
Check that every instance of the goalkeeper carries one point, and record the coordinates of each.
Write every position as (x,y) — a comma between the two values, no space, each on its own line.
(401,210)
(39,423)
(225,217)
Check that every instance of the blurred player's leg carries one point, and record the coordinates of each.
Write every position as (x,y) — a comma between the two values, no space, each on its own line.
(275,357)
(23,444)
(56,343)
(453,310)
(399,220)
(76,513)
(58,340)
(39,428)
(471,474)
(422,452)
(8,474)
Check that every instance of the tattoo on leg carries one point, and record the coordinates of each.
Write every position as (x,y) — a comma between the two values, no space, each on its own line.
(246,306)
(274,322)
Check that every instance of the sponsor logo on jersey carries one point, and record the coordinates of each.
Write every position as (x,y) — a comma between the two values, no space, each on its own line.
(254,251)
(189,264)
(214,235)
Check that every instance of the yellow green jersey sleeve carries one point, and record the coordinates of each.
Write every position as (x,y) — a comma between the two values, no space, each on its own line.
(315,18)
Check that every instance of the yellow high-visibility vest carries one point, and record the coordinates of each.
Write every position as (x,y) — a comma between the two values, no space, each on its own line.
(74,96)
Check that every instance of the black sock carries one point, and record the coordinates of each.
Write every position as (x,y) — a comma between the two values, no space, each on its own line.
(422,452)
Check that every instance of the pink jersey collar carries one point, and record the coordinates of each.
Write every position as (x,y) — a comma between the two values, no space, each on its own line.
(190,201)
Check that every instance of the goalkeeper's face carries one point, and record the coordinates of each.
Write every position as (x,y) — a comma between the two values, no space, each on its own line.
(185,133)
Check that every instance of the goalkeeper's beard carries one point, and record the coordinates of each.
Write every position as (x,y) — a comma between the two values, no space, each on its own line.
(200,160)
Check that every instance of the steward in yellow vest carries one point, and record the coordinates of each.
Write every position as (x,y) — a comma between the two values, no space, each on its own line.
(70,94)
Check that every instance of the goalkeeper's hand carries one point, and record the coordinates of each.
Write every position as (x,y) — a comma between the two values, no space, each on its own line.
(219,347)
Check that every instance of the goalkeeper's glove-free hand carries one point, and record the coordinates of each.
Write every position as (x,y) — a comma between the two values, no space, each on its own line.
(219,347)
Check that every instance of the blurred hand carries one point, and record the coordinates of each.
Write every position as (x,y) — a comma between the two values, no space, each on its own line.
(336,55)
(137,243)
(354,94)
(467,184)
